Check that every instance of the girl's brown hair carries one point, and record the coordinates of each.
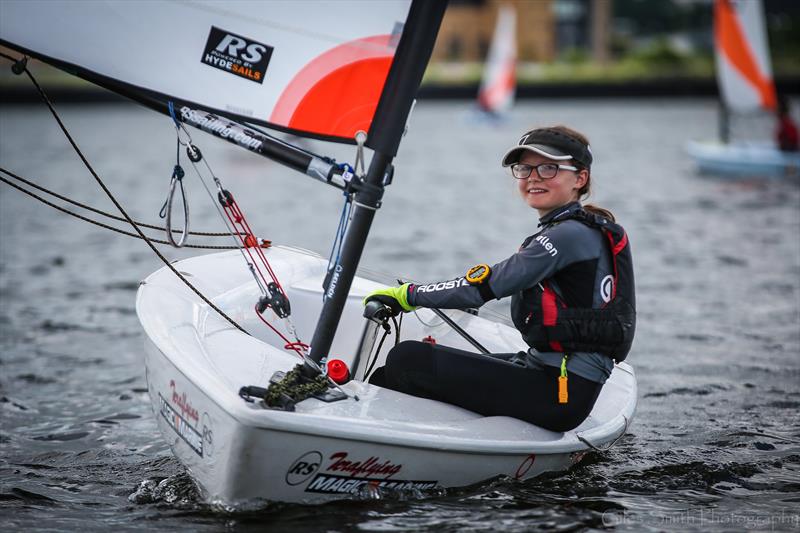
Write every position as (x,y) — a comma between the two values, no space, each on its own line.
(586,190)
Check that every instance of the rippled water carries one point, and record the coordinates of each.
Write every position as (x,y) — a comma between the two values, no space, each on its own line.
(716,441)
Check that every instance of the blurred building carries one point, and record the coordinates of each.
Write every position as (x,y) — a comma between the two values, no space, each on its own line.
(545,29)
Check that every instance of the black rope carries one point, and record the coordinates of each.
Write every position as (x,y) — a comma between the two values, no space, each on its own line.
(100,212)
(375,358)
(380,343)
(106,226)
(116,203)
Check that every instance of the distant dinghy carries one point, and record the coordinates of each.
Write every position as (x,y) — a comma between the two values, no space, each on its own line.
(499,82)
(744,77)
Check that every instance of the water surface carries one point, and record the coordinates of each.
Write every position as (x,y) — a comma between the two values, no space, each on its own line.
(716,440)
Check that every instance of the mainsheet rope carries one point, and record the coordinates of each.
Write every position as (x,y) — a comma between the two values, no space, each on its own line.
(99,211)
(100,224)
(21,66)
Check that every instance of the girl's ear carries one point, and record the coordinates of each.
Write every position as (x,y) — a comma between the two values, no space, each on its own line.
(582,179)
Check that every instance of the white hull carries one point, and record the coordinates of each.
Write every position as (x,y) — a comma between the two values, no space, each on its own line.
(744,160)
(241,453)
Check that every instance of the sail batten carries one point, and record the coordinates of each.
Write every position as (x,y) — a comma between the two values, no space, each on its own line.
(313,68)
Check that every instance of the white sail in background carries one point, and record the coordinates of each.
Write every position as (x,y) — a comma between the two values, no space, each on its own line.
(498,85)
(315,67)
(743,65)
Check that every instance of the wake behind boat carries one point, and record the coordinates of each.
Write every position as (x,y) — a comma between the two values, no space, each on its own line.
(241,452)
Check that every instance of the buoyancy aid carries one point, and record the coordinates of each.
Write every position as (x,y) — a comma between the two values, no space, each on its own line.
(548,325)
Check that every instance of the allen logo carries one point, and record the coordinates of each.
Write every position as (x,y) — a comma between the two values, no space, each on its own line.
(547,245)
(238,55)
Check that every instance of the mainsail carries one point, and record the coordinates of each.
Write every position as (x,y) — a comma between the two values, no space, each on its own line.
(498,85)
(744,73)
(316,68)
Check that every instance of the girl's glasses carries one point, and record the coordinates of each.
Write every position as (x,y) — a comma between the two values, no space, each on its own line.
(545,171)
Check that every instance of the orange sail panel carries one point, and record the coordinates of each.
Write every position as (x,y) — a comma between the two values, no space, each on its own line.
(337,93)
(742,55)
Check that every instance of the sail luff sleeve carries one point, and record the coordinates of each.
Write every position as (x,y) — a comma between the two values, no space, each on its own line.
(412,56)
(414,51)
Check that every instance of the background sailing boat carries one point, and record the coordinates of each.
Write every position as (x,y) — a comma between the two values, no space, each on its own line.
(746,86)
(499,82)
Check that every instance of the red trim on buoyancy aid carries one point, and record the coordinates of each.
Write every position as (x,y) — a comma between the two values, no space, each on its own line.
(551,325)
(615,249)
(550,312)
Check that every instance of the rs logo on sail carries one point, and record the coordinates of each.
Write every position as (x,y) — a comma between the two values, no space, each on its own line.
(238,55)
(234,45)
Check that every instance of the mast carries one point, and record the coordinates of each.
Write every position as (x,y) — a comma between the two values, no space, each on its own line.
(413,52)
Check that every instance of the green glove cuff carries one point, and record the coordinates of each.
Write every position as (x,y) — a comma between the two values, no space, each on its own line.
(400,294)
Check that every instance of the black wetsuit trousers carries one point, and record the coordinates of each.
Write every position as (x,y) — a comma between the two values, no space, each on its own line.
(488,385)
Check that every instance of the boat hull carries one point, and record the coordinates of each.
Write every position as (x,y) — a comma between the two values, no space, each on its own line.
(238,464)
(376,441)
(755,160)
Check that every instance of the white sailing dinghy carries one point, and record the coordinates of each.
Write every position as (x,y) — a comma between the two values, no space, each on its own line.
(499,81)
(218,379)
(744,76)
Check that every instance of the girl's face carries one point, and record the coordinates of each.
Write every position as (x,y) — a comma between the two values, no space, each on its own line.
(544,195)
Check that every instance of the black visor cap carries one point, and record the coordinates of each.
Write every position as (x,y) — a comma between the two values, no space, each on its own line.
(562,142)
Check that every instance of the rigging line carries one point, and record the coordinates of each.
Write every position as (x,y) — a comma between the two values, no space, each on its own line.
(343,223)
(121,209)
(108,215)
(105,226)
(231,230)
(235,215)
(227,220)
(166,210)
(338,240)
(239,215)
(289,344)
(252,263)
(430,325)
